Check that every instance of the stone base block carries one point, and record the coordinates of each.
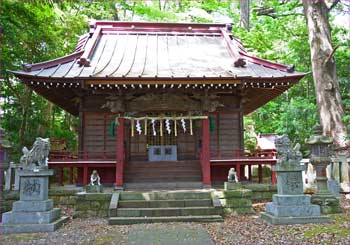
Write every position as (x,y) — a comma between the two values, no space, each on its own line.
(31,228)
(293,220)
(286,200)
(232,186)
(236,202)
(32,206)
(94,188)
(329,203)
(293,210)
(241,210)
(242,193)
(47,217)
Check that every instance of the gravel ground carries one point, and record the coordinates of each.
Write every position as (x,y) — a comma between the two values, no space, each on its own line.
(236,229)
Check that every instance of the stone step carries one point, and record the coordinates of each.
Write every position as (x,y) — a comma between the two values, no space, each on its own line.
(175,185)
(161,165)
(155,178)
(165,203)
(138,220)
(159,212)
(165,170)
(156,163)
(164,195)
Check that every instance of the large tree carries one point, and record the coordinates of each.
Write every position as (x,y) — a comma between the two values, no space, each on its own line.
(244,13)
(326,82)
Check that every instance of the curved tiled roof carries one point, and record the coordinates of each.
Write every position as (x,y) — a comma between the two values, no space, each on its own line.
(137,51)
(175,54)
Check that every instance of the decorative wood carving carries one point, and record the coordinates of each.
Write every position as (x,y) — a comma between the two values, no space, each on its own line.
(162,102)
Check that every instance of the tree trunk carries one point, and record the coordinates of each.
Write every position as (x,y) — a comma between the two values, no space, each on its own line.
(244,16)
(47,126)
(25,104)
(328,97)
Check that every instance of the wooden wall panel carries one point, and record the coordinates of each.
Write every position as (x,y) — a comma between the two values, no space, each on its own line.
(97,137)
(229,132)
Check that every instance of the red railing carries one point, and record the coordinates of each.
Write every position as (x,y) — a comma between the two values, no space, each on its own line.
(239,153)
(82,155)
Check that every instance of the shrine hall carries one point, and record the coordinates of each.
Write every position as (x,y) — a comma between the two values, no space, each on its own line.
(159,102)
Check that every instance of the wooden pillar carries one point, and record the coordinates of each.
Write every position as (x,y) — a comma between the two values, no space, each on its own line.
(250,172)
(205,160)
(273,177)
(242,176)
(60,176)
(120,153)
(260,173)
(238,171)
(71,173)
(85,175)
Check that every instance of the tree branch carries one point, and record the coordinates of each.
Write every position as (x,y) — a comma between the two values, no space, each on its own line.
(331,54)
(10,86)
(333,5)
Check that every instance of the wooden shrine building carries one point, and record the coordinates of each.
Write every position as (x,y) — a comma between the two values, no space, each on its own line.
(159,102)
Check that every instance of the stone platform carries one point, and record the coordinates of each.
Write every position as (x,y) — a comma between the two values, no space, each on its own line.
(34,212)
(292,209)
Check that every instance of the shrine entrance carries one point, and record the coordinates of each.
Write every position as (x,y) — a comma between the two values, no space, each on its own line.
(161,147)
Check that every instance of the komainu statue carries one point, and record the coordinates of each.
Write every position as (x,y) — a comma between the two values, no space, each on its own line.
(37,157)
(232,176)
(95,178)
(285,153)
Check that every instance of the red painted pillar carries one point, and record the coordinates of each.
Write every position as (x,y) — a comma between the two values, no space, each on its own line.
(71,172)
(206,152)
(238,171)
(120,154)
(250,172)
(273,177)
(260,173)
(85,175)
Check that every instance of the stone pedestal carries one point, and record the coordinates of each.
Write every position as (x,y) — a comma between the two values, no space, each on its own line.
(235,199)
(94,188)
(290,205)
(34,212)
(328,202)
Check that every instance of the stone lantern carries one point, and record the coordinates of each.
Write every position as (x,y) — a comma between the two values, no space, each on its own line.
(320,158)
(4,147)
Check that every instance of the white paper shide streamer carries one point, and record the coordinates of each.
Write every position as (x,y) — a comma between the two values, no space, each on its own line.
(138,127)
(167,126)
(183,123)
(154,127)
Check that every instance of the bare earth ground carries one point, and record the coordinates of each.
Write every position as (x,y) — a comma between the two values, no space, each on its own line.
(236,229)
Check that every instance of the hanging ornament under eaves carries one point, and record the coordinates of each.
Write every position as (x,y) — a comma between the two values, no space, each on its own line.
(183,123)
(154,127)
(138,127)
(167,126)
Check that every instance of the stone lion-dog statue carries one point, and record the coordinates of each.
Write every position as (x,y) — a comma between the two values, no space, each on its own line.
(37,157)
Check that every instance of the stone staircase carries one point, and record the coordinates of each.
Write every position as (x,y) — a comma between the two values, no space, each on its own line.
(164,206)
(165,171)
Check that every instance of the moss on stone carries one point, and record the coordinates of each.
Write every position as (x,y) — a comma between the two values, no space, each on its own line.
(236,202)
(244,210)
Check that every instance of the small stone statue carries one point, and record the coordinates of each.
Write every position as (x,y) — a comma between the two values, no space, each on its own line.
(285,152)
(37,157)
(95,178)
(232,176)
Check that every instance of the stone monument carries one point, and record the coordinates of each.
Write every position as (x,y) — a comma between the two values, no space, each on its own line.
(232,180)
(235,199)
(34,212)
(95,183)
(320,158)
(290,205)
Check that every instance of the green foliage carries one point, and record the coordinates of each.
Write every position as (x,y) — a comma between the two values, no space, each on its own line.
(43,30)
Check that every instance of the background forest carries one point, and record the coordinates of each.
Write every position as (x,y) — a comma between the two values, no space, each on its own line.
(35,31)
